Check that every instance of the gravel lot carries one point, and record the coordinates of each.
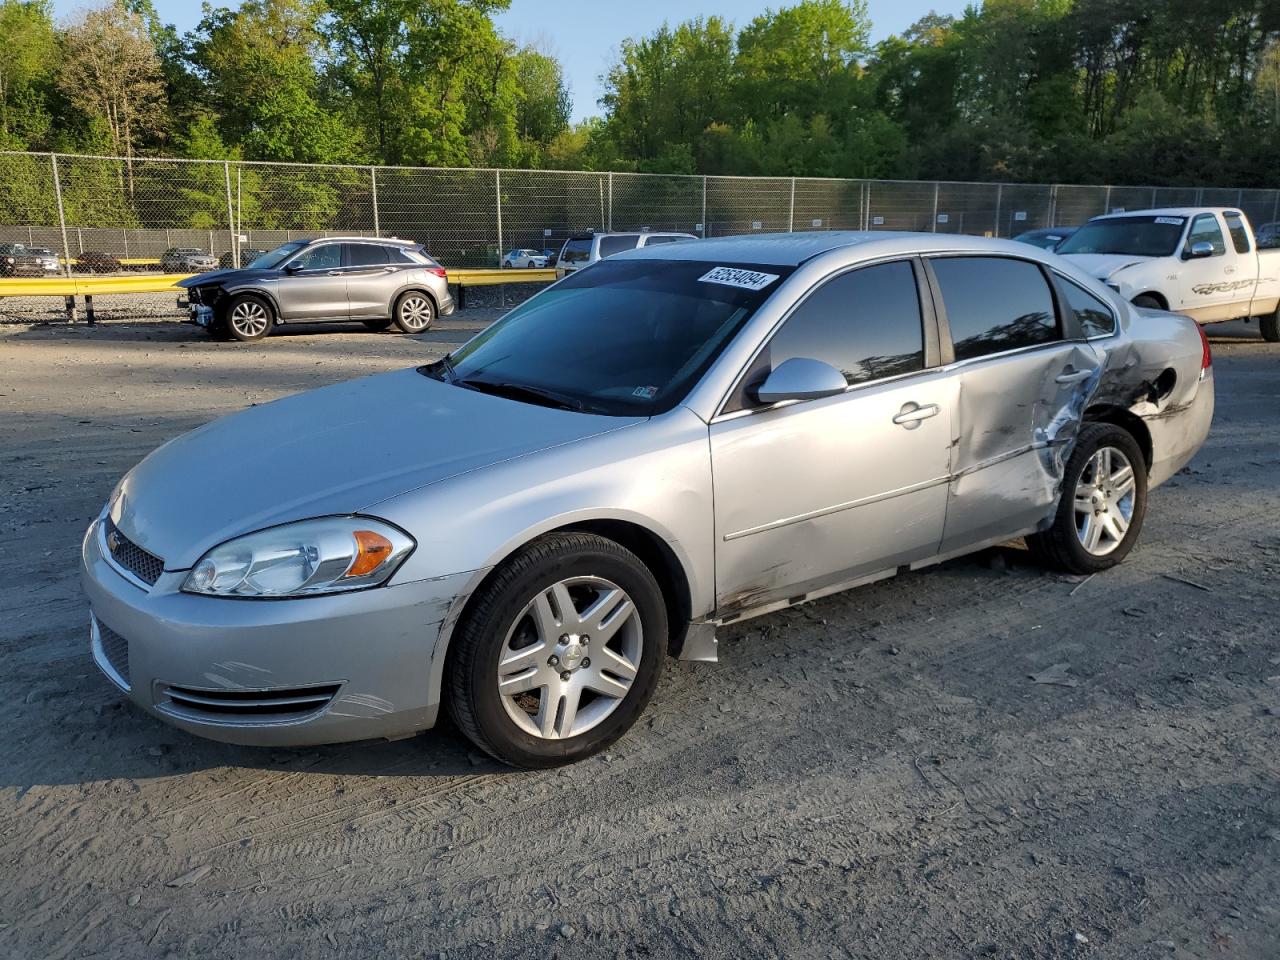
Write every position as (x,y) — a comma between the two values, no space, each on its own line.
(872,775)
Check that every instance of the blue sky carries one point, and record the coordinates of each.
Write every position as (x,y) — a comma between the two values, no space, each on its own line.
(585,35)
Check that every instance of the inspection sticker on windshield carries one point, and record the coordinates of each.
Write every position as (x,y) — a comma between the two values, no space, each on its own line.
(733,277)
(1172,221)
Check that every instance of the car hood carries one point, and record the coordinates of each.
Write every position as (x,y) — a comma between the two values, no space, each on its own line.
(1104,266)
(217,276)
(335,450)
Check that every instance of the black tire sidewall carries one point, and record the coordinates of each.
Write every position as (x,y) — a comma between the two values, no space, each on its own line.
(1149,302)
(488,632)
(1270,327)
(1092,438)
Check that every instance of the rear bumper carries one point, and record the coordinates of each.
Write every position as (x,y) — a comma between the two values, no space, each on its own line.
(270,673)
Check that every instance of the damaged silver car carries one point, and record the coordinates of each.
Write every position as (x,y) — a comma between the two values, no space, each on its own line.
(673,439)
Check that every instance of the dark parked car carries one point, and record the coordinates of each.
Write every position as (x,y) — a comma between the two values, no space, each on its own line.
(96,261)
(247,255)
(19,260)
(378,282)
(1045,239)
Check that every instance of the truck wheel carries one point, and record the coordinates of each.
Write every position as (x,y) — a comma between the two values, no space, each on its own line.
(1270,327)
(559,652)
(1103,502)
(248,318)
(1148,301)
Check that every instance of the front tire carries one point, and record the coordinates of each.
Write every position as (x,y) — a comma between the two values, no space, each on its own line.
(1102,506)
(1270,326)
(559,652)
(413,312)
(248,318)
(1148,301)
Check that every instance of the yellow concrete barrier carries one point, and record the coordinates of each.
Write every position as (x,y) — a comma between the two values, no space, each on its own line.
(490,278)
(85,286)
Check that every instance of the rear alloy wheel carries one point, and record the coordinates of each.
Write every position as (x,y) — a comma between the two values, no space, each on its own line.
(1103,502)
(559,653)
(1270,325)
(414,312)
(248,318)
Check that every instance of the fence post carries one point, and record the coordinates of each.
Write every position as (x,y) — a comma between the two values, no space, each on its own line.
(934,226)
(1053,205)
(999,200)
(62,221)
(497,183)
(610,221)
(232,226)
(1106,202)
(791,219)
(866,208)
(1275,207)
(704,208)
(373,181)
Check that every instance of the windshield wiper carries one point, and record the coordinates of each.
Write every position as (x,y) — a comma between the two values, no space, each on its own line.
(521,391)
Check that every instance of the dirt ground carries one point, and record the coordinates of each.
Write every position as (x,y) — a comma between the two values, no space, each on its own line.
(873,775)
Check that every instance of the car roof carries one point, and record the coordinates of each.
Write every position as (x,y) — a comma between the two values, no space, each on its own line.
(1168,211)
(793,249)
(389,241)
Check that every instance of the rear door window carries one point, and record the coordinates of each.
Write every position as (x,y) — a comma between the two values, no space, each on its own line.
(650,241)
(611,245)
(1205,229)
(577,250)
(994,304)
(1239,233)
(1093,314)
(366,255)
(867,324)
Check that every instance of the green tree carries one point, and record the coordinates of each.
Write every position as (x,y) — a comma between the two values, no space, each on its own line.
(27,51)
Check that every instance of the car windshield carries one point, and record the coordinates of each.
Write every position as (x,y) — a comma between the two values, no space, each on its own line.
(1145,236)
(621,338)
(273,258)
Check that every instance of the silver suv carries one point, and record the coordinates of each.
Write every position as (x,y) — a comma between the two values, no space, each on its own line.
(584,250)
(378,282)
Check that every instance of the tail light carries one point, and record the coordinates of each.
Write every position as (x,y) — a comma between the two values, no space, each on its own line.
(1206,357)
(439,271)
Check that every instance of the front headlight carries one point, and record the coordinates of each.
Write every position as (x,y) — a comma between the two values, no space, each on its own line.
(329,555)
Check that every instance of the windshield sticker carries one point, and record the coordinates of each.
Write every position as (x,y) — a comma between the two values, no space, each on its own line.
(733,277)
(645,393)
(1172,221)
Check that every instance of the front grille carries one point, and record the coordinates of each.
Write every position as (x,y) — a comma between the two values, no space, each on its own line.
(147,567)
(276,705)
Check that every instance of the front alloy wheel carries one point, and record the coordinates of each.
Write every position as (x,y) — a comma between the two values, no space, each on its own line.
(248,318)
(558,652)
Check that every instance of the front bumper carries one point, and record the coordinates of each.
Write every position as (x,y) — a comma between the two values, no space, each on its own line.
(315,670)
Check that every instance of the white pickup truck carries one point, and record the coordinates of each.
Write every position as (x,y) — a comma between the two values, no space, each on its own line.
(1200,261)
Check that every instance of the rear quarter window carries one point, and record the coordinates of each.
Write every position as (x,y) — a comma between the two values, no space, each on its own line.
(611,245)
(1092,313)
(576,251)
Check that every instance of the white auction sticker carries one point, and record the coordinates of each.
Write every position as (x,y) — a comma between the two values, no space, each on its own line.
(1172,221)
(733,277)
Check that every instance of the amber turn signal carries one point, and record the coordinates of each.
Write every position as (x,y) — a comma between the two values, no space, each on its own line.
(371,550)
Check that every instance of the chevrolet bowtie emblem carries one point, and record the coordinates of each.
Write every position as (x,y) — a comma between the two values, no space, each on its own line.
(113,541)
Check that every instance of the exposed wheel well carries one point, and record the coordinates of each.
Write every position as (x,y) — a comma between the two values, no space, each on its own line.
(1126,420)
(435,307)
(653,553)
(1157,297)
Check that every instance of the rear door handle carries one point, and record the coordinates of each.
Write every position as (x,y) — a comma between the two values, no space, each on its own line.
(1074,376)
(912,413)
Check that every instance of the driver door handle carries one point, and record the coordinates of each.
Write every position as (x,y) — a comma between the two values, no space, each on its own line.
(1073,376)
(332,273)
(912,413)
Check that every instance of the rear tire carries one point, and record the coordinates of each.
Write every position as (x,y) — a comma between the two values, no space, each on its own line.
(562,601)
(413,312)
(248,318)
(1102,505)
(1270,326)
(1150,302)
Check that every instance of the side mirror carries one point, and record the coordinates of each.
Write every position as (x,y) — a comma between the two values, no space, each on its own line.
(800,379)
(294,267)
(1199,250)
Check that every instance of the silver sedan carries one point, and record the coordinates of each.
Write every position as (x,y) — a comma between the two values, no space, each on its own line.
(671,440)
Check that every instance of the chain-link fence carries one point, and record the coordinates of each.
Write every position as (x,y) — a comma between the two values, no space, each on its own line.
(103,214)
